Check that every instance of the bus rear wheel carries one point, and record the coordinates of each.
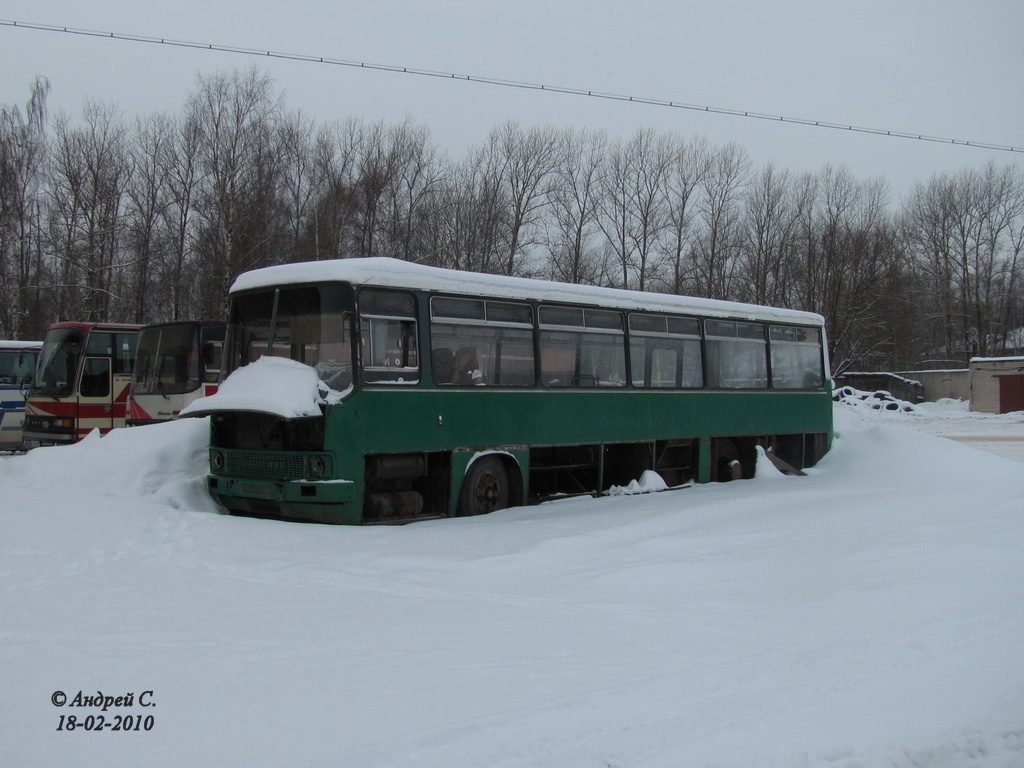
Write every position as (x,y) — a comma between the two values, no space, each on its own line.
(485,488)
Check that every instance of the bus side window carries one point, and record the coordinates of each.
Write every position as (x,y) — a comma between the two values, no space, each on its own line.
(388,331)
(602,361)
(100,343)
(476,342)
(463,356)
(212,352)
(581,347)
(389,351)
(558,358)
(124,358)
(796,358)
(665,351)
(737,354)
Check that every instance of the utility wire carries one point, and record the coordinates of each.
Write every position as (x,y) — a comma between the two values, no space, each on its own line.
(508,84)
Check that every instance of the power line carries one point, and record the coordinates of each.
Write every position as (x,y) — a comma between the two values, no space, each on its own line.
(558,89)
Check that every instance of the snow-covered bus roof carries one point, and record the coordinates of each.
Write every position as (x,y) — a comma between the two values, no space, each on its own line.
(395,273)
(9,344)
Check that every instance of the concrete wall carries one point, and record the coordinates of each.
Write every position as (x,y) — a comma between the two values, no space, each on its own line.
(954,384)
(985,373)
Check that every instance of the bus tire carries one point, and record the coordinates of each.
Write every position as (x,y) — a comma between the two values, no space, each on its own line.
(485,487)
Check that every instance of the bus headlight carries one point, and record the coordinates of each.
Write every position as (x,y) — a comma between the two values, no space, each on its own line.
(217,461)
(317,466)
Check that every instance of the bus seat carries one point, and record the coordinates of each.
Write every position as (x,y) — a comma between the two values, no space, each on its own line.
(443,360)
(466,365)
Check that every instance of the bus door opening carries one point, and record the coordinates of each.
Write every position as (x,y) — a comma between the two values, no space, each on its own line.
(95,406)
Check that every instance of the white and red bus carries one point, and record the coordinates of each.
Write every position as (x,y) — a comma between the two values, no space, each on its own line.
(81,382)
(177,362)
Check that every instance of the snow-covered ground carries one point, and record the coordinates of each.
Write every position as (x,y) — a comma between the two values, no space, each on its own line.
(1002,434)
(868,615)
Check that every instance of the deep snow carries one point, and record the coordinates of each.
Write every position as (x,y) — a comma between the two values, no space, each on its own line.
(869,614)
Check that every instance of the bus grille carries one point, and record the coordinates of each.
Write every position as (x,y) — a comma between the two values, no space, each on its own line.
(267,465)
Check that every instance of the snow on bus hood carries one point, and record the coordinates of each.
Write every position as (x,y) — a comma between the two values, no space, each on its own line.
(270,385)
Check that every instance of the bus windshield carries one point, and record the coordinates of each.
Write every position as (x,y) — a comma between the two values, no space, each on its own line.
(16,365)
(309,324)
(58,362)
(168,360)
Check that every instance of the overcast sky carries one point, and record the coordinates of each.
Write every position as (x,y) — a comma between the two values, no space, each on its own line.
(946,69)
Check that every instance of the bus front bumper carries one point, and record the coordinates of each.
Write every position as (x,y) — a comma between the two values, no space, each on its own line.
(328,501)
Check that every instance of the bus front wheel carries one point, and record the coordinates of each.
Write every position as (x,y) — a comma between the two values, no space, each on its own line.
(485,487)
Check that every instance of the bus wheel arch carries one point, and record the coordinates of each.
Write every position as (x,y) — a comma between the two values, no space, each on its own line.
(492,481)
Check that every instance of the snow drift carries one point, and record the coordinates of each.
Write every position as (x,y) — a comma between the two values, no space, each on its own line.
(869,614)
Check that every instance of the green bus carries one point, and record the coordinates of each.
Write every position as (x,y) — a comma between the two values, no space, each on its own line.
(376,391)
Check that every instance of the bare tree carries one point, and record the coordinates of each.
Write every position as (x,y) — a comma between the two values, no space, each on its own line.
(716,249)
(147,200)
(634,206)
(848,243)
(97,223)
(179,271)
(927,227)
(412,195)
(303,179)
(690,166)
(769,239)
(90,171)
(996,253)
(23,154)
(473,214)
(337,150)
(965,234)
(375,174)
(572,195)
(235,118)
(1012,320)
(529,159)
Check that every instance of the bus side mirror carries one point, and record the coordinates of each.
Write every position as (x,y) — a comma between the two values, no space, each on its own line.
(26,363)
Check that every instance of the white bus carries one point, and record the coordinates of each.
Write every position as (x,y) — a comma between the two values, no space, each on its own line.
(177,362)
(17,362)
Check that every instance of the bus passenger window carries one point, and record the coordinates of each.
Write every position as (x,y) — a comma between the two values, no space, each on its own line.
(476,342)
(581,347)
(665,351)
(100,343)
(664,366)
(388,333)
(796,357)
(211,355)
(737,355)
(124,358)
(389,350)
(462,355)
(558,358)
(602,361)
